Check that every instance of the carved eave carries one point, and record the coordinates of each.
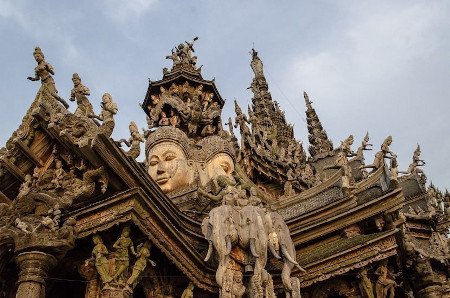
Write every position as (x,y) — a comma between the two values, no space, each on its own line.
(179,76)
(162,226)
(335,217)
(340,256)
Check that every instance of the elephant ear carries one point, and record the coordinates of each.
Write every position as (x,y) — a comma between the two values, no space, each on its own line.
(205,224)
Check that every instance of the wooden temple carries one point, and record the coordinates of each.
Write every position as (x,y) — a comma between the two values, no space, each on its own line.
(218,208)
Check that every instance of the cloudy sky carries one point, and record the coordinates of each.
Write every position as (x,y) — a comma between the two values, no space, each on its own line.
(376,66)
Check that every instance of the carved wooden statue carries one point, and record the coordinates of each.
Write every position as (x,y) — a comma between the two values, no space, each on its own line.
(44,71)
(79,94)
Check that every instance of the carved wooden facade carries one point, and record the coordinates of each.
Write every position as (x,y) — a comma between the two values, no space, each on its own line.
(81,217)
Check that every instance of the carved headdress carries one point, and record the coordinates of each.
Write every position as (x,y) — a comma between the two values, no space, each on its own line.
(171,134)
(37,50)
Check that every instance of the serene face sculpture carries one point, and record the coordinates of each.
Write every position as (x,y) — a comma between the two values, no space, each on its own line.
(168,166)
(220,164)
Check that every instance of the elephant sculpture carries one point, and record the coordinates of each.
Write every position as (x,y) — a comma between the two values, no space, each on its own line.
(280,240)
(241,232)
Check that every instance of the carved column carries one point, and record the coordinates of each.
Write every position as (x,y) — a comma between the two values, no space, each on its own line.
(34,266)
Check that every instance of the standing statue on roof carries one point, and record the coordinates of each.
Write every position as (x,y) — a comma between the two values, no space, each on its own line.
(109,109)
(134,142)
(79,93)
(417,162)
(256,64)
(44,71)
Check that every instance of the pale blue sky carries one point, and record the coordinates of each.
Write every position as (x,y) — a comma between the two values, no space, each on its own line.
(377,66)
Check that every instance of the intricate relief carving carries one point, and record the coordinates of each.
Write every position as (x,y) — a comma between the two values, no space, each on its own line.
(183,58)
(190,108)
(114,270)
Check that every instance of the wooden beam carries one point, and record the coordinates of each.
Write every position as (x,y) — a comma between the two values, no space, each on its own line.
(13,169)
(28,153)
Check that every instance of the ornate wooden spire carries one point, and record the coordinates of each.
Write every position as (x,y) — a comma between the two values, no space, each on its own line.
(318,139)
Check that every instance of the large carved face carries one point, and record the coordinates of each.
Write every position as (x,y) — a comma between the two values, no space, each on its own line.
(168,166)
(220,164)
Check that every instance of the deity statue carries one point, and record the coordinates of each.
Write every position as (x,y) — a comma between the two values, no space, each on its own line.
(109,109)
(385,286)
(134,142)
(80,93)
(99,253)
(142,255)
(122,258)
(44,71)
(167,158)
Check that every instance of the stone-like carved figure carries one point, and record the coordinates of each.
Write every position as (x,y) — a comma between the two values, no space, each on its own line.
(381,155)
(44,71)
(385,286)
(238,226)
(275,223)
(168,166)
(142,255)
(109,109)
(99,253)
(79,94)
(189,291)
(365,146)
(365,284)
(417,162)
(122,258)
(257,65)
(134,142)
(346,146)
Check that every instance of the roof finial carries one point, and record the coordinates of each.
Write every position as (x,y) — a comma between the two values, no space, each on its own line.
(318,139)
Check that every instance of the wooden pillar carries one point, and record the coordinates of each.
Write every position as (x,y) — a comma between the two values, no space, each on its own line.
(34,266)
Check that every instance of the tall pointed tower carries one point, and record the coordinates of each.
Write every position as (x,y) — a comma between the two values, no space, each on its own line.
(318,139)
(270,154)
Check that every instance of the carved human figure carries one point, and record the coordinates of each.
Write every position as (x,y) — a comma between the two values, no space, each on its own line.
(44,71)
(164,120)
(122,258)
(142,255)
(58,174)
(385,286)
(79,94)
(257,65)
(109,109)
(134,142)
(168,166)
(99,253)
(174,119)
(25,187)
(346,146)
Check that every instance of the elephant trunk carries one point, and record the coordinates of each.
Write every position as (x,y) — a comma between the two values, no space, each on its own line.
(253,247)
(210,250)
(273,251)
(286,278)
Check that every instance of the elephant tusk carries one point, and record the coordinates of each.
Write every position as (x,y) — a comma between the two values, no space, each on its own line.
(253,248)
(288,256)
(210,250)
(273,251)
(228,242)
(300,268)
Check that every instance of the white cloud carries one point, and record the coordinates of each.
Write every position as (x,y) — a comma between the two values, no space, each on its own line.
(122,11)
